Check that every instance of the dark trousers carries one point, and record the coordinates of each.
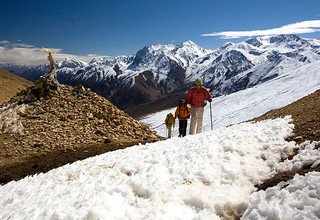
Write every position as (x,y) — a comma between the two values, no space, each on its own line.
(182,127)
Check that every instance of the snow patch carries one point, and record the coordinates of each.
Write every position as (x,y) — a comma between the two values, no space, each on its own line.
(10,118)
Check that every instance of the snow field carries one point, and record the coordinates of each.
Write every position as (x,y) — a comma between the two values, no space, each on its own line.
(296,199)
(201,176)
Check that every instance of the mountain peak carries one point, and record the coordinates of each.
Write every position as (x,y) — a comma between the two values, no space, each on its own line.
(226,45)
(71,63)
(189,43)
(254,42)
(284,38)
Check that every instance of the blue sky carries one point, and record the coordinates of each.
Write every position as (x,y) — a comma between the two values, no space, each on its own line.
(122,27)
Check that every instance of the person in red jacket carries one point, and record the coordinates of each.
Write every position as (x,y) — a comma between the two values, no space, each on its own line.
(197,97)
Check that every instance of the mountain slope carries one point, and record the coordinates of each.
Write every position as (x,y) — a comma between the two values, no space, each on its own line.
(252,102)
(11,84)
(305,113)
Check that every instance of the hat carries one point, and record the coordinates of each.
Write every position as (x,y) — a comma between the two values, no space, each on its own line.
(198,82)
(182,101)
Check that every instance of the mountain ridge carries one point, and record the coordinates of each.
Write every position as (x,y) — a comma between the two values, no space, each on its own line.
(157,71)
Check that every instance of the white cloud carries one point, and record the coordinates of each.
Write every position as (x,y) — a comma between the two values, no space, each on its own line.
(4,42)
(25,54)
(296,28)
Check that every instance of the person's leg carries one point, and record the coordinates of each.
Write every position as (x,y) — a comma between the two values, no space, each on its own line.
(200,119)
(184,127)
(180,128)
(193,113)
(169,131)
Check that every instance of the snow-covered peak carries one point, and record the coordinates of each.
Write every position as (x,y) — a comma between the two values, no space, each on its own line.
(100,60)
(314,42)
(254,42)
(189,43)
(160,48)
(159,57)
(227,45)
(283,40)
(71,63)
(190,47)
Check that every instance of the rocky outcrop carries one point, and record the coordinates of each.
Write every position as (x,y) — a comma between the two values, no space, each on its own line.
(63,121)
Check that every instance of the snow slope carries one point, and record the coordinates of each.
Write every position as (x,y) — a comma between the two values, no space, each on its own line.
(252,102)
(205,176)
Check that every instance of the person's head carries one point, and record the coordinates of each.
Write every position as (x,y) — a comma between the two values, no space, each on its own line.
(182,102)
(198,82)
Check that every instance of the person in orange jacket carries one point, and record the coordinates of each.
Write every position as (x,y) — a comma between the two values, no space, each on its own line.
(183,114)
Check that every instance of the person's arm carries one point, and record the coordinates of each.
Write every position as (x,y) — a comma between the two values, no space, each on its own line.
(188,111)
(208,95)
(188,97)
(176,113)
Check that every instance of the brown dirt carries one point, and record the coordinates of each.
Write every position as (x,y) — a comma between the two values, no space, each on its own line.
(306,115)
(306,118)
(10,84)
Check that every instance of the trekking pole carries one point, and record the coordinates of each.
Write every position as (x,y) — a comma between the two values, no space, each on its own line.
(211,116)
(172,131)
(158,125)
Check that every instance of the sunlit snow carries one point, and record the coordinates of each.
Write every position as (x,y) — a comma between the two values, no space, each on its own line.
(252,102)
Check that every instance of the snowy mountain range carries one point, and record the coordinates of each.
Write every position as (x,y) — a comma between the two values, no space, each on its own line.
(157,71)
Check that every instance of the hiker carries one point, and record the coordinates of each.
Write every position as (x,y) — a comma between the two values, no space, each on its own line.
(183,114)
(197,97)
(170,122)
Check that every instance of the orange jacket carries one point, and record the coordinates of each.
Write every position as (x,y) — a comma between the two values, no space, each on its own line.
(182,112)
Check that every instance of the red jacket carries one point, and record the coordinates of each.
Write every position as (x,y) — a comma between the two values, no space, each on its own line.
(196,96)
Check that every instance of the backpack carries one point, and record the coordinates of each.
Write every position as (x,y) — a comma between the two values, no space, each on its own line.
(183,112)
(169,119)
